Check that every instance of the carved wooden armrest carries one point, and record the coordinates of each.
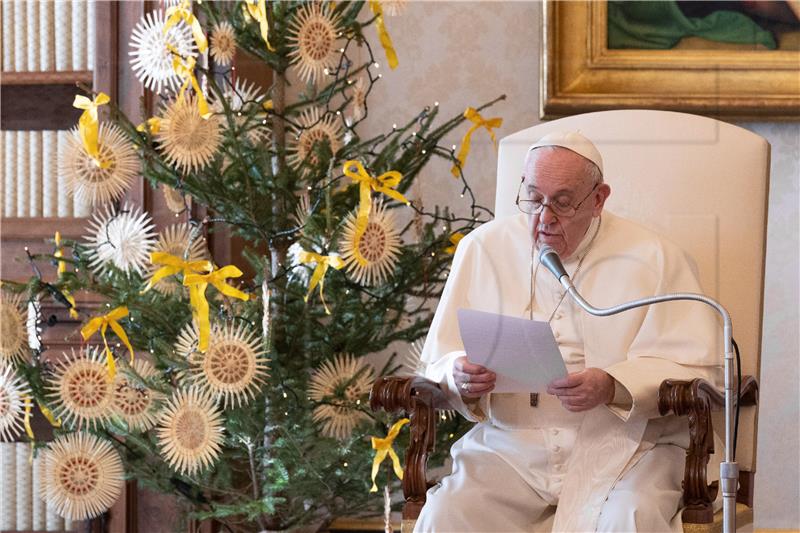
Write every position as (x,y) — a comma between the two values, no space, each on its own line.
(418,398)
(696,399)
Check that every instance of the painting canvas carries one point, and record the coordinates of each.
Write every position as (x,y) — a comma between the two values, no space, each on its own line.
(737,60)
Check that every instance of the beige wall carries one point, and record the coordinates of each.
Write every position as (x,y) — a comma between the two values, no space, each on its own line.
(466,53)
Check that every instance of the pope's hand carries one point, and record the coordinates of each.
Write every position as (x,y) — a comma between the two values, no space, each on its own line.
(581,391)
(473,381)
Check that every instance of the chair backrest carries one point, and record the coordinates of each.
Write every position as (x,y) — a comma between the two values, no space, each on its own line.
(702,183)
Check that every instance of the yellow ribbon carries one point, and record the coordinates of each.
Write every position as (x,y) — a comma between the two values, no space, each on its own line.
(197,284)
(318,277)
(385,183)
(27,420)
(89,124)
(258,10)
(62,268)
(386,41)
(153,123)
(383,447)
(102,323)
(186,71)
(183,11)
(478,122)
(49,416)
(455,238)
(173,265)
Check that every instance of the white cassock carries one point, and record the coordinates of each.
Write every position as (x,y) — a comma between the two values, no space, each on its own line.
(613,468)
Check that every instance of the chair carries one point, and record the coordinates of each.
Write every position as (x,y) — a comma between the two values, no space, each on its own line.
(711,179)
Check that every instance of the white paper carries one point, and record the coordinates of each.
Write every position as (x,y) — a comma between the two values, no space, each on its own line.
(523,353)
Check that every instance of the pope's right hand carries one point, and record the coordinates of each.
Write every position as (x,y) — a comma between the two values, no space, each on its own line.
(473,381)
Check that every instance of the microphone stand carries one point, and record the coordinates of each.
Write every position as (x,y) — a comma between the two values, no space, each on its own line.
(728,470)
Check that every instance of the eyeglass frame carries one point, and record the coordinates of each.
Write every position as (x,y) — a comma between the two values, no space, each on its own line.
(542,205)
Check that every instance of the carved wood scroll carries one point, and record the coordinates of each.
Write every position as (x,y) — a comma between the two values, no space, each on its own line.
(696,399)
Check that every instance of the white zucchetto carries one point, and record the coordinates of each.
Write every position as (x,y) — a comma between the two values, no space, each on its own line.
(572,140)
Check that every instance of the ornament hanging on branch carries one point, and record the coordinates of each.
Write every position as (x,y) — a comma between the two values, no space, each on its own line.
(371,258)
(123,239)
(313,34)
(233,368)
(223,44)
(340,387)
(14,393)
(173,198)
(190,431)
(13,328)
(312,130)
(186,139)
(245,99)
(83,475)
(80,390)
(94,183)
(152,47)
(32,324)
(137,404)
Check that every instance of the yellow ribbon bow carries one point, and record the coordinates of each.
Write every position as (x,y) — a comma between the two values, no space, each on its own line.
(89,124)
(183,11)
(384,183)
(197,284)
(386,41)
(383,447)
(173,265)
(478,122)
(62,268)
(455,238)
(258,10)
(186,71)
(102,323)
(318,277)
(153,123)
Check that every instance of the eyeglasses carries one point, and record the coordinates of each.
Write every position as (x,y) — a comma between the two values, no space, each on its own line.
(533,207)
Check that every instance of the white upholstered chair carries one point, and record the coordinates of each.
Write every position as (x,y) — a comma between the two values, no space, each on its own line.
(699,181)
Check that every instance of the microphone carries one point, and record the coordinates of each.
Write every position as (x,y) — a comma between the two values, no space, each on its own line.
(550,259)
(729,469)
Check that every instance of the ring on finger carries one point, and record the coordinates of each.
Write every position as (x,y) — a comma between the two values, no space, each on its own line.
(465,386)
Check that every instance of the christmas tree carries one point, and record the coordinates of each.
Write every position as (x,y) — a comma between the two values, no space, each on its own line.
(248,399)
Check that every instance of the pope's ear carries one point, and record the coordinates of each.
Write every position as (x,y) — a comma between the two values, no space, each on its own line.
(601,195)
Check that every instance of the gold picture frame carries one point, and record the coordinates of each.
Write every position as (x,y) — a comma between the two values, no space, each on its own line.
(580,73)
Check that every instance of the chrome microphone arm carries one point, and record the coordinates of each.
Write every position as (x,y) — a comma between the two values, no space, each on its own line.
(728,470)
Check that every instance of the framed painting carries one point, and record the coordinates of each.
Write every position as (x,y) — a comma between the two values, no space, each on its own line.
(591,62)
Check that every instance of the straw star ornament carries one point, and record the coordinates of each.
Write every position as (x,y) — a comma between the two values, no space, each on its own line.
(135,403)
(83,475)
(14,392)
(94,183)
(152,50)
(190,431)
(233,368)
(371,258)
(340,386)
(13,328)
(313,34)
(122,239)
(80,390)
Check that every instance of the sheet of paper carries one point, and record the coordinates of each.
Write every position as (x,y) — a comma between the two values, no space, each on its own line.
(523,353)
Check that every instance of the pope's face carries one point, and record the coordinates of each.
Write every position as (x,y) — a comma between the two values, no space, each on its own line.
(558,176)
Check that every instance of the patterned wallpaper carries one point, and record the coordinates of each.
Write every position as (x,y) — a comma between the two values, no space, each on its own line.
(466,53)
